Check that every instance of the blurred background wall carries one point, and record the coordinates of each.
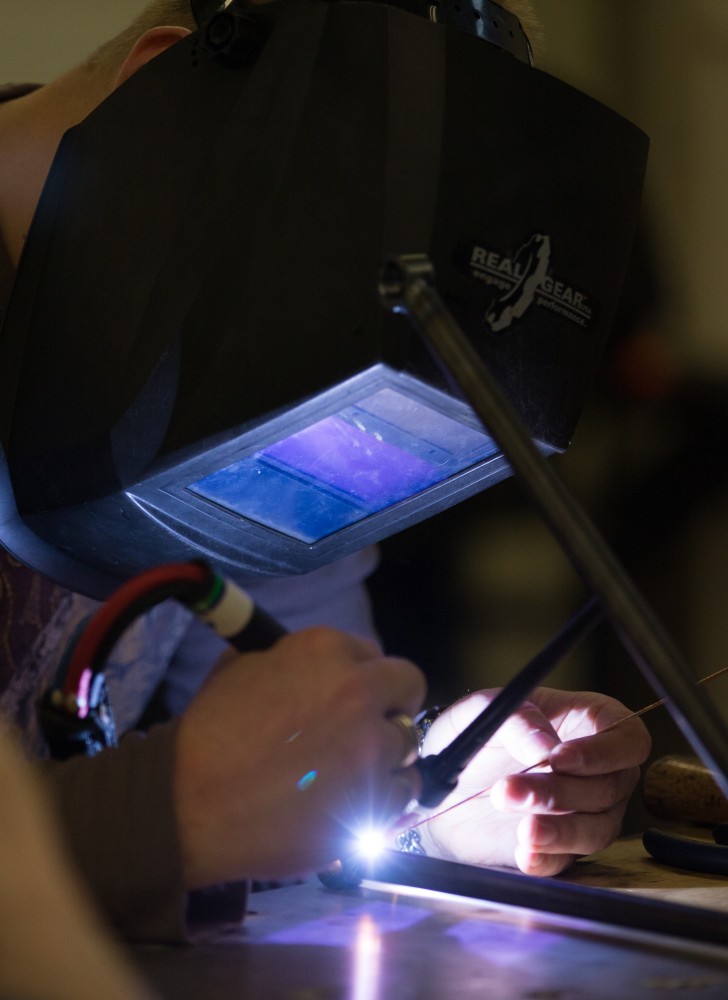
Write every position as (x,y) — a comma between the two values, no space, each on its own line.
(473,594)
(659,488)
(43,39)
(648,459)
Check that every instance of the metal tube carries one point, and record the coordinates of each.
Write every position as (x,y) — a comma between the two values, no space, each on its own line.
(406,286)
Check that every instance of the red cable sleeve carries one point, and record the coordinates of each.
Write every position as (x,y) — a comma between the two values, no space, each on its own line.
(138,587)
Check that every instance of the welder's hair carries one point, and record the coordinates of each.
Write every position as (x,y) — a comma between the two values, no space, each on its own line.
(108,59)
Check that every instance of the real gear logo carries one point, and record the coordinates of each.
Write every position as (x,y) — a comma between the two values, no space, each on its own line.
(524,279)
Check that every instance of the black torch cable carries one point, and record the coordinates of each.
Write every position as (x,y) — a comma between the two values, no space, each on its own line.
(233,614)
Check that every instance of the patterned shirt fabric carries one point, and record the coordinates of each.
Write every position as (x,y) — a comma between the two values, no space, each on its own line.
(39,620)
(27,602)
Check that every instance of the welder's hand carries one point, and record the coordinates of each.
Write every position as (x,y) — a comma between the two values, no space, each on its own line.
(281,751)
(51,940)
(542,820)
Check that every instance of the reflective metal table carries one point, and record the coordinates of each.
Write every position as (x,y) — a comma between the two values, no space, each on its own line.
(382,941)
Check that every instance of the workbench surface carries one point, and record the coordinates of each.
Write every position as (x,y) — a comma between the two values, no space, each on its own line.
(381,942)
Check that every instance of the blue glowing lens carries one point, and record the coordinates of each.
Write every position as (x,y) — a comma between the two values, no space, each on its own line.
(339,470)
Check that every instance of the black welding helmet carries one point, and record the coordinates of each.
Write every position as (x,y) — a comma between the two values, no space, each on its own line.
(194,361)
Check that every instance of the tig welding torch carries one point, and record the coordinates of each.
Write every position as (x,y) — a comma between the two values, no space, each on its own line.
(77,717)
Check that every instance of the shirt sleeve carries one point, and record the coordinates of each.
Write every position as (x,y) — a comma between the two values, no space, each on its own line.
(334,595)
(117,815)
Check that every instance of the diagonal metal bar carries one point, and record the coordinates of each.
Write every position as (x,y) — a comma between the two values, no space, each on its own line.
(407,286)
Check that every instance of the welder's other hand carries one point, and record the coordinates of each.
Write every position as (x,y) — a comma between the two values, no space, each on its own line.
(52,942)
(282,750)
(542,820)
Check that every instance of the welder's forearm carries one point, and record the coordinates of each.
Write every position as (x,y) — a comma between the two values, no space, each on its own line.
(53,945)
(118,816)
